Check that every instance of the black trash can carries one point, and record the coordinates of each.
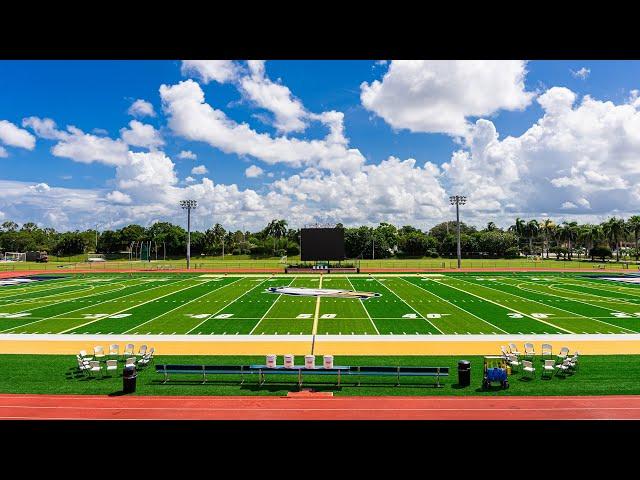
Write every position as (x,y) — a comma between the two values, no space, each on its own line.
(129,376)
(464,373)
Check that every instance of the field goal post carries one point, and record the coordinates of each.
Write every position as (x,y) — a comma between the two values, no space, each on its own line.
(15,257)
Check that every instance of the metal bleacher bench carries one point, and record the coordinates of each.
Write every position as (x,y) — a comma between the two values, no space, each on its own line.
(299,371)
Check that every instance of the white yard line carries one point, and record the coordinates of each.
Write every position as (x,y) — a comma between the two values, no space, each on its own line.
(505,307)
(456,306)
(551,306)
(176,308)
(365,308)
(269,309)
(95,304)
(133,306)
(405,302)
(121,287)
(226,305)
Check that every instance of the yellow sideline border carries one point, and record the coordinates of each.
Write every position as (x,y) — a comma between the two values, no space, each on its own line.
(322,346)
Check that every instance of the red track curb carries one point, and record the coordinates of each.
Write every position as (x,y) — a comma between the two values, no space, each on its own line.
(337,408)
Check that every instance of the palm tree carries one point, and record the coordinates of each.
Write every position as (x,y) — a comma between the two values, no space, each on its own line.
(277,229)
(590,235)
(547,227)
(491,227)
(532,229)
(567,233)
(634,227)
(614,230)
(518,228)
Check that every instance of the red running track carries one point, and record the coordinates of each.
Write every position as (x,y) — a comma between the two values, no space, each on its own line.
(337,408)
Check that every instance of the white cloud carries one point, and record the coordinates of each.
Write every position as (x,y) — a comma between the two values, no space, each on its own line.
(190,117)
(187,155)
(634,98)
(260,90)
(189,179)
(44,128)
(141,108)
(16,136)
(118,197)
(253,171)
(40,187)
(221,71)
(582,74)
(141,135)
(77,145)
(3,152)
(199,170)
(439,95)
(581,156)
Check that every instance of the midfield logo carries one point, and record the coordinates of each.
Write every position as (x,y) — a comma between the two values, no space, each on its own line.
(322,292)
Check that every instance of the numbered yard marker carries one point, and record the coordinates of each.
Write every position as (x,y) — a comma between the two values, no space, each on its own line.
(224,315)
(541,315)
(514,315)
(90,316)
(14,315)
(328,315)
(410,315)
(197,315)
(305,315)
(625,315)
(120,315)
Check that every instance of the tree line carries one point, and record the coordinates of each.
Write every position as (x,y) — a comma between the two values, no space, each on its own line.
(525,237)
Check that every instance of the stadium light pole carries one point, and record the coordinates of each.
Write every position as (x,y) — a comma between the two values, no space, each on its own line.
(458,200)
(188,205)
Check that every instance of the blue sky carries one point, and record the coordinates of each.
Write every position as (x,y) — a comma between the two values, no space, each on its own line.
(392,112)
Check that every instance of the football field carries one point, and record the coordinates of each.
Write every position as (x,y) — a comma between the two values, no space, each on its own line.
(410,304)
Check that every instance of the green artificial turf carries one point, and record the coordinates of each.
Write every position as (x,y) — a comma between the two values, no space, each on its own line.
(56,374)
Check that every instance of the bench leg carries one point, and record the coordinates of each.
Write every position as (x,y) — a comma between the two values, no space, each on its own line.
(166,378)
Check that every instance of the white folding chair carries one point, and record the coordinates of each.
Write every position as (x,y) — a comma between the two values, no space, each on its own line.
(564,351)
(130,361)
(573,362)
(129,349)
(98,352)
(513,349)
(547,349)
(527,367)
(83,354)
(529,351)
(83,366)
(94,366)
(142,351)
(114,350)
(563,367)
(549,366)
(514,363)
(505,352)
(112,366)
(144,360)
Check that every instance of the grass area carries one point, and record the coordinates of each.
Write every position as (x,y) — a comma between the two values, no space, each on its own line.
(55,374)
(452,304)
(245,262)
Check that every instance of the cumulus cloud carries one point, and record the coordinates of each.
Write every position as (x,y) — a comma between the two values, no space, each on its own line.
(187,155)
(118,197)
(141,108)
(221,71)
(189,116)
(582,74)
(199,170)
(580,155)
(189,179)
(40,187)
(77,145)
(253,171)
(260,90)
(15,136)
(141,135)
(437,96)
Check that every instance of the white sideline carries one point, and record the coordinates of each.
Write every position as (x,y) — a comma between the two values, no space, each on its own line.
(30,337)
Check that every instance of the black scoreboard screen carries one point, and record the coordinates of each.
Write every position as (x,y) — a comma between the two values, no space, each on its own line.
(322,244)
